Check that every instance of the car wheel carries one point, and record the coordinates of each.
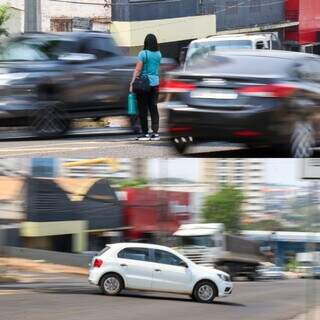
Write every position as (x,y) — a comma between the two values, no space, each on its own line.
(181,144)
(302,140)
(111,284)
(49,122)
(205,292)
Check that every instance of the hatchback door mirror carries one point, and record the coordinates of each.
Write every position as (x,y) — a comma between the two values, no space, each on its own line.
(77,57)
(183,264)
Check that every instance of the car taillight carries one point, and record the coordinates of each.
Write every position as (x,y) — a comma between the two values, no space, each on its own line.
(97,263)
(247,133)
(180,129)
(268,91)
(175,86)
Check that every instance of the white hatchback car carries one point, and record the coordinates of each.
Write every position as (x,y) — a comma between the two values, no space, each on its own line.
(151,267)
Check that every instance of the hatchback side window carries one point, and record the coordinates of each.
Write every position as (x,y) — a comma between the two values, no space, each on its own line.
(140,254)
(165,257)
(101,47)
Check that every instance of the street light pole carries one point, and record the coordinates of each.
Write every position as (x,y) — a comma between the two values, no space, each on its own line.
(32,15)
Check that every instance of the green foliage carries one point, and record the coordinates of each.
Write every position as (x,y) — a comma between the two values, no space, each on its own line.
(224,207)
(291,265)
(269,225)
(4,17)
(138,183)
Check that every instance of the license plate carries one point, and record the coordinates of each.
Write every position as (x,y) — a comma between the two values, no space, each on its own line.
(214,94)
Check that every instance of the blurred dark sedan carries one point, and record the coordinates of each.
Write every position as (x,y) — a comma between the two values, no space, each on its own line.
(260,98)
(47,80)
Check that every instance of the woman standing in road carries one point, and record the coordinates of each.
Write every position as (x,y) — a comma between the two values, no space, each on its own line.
(148,66)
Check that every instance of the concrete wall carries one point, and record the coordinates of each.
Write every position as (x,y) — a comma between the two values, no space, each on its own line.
(53,10)
(70,259)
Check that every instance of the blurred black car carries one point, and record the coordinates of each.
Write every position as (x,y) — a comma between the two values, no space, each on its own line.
(47,80)
(254,97)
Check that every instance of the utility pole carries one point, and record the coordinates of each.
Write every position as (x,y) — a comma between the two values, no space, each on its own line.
(32,15)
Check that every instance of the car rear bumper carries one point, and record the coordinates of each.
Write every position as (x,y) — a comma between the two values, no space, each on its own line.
(250,126)
(94,277)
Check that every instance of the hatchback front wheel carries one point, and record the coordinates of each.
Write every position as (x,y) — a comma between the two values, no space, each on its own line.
(205,292)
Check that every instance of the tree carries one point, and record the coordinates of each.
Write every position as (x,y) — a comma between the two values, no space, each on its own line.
(224,207)
(138,183)
(4,17)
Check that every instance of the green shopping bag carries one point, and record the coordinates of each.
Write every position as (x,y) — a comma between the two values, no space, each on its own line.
(132,104)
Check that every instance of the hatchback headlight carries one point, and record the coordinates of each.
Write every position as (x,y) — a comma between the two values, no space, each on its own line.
(224,277)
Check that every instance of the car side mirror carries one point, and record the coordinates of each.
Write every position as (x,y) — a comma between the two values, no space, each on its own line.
(77,57)
(183,264)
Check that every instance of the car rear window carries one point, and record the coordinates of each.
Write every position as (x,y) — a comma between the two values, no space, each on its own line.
(245,64)
(100,253)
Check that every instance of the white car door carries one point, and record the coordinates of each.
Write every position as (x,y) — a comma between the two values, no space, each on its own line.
(168,273)
(136,267)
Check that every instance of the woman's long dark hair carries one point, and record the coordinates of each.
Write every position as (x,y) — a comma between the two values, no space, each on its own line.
(151,43)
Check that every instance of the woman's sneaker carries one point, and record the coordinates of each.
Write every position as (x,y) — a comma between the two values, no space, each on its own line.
(144,137)
(155,137)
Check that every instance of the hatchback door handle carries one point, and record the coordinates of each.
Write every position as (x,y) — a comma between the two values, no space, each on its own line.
(157,270)
(123,265)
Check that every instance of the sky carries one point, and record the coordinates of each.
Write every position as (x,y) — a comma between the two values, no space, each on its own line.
(279,171)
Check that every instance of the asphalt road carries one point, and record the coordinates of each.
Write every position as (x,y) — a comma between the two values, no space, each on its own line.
(73,299)
(111,142)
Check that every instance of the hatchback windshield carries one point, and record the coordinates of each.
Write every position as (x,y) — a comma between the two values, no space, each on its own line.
(198,50)
(28,49)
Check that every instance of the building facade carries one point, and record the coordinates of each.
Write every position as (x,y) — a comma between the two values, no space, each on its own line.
(305,36)
(61,15)
(245,174)
(236,14)
(175,23)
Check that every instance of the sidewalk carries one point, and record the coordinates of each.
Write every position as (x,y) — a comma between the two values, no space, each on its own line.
(313,314)
(17,266)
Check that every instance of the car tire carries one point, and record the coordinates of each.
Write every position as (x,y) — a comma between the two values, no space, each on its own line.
(302,140)
(49,122)
(111,284)
(181,144)
(205,292)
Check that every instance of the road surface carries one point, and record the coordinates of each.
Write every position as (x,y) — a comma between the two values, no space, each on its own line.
(71,298)
(109,142)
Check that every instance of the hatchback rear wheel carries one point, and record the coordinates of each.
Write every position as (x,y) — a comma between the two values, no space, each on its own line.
(181,144)
(49,122)
(111,284)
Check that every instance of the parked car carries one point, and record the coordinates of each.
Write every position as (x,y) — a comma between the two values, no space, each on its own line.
(271,273)
(47,80)
(152,267)
(259,98)
(316,272)
(250,41)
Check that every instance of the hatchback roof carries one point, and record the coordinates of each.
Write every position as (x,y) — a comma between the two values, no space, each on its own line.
(136,245)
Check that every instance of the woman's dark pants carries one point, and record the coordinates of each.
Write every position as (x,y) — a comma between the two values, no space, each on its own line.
(147,102)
